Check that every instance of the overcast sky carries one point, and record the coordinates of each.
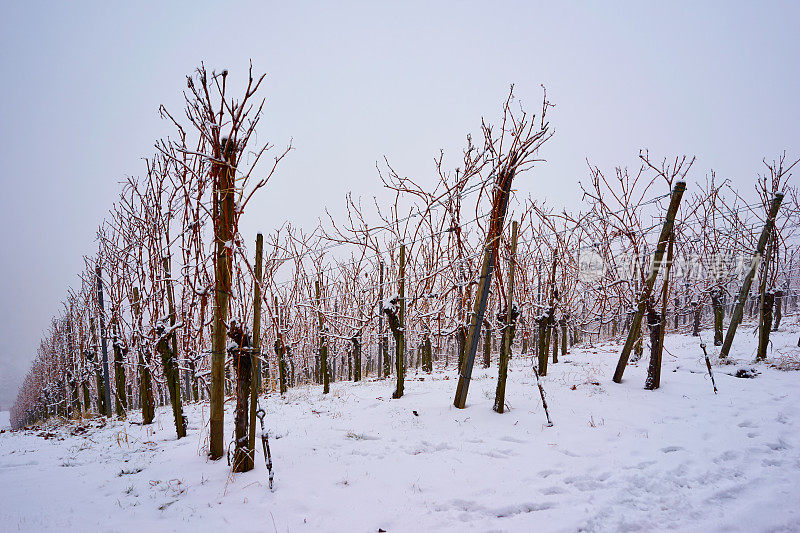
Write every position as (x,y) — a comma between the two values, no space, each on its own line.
(352,82)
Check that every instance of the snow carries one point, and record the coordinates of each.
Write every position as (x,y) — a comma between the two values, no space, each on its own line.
(391,303)
(619,458)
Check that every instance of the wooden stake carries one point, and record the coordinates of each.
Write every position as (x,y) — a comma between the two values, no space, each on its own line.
(476,320)
(508,328)
(256,365)
(323,343)
(748,278)
(636,326)
(106,379)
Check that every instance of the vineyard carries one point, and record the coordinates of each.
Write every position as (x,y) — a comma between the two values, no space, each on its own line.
(458,277)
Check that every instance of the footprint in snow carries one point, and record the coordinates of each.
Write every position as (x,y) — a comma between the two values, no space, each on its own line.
(747,424)
(548,473)
(670,449)
(513,439)
(511,510)
(555,489)
(640,466)
(778,446)
(730,455)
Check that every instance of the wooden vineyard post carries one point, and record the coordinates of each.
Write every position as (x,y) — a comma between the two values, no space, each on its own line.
(508,328)
(487,344)
(280,349)
(656,365)
(541,345)
(555,341)
(476,319)
(719,315)
(323,344)
(736,318)
(223,241)
(106,378)
(356,340)
(381,361)
(764,310)
(644,296)
(256,353)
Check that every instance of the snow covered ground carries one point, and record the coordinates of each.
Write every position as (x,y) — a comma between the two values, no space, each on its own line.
(618,458)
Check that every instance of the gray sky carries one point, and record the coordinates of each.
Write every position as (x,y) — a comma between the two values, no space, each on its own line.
(350,82)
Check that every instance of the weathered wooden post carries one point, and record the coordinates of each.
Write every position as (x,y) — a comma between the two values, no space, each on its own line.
(719,315)
(542,346)
(381,361)
(223,182)
(508,328)
(636,326)
(106,377)
(323,344)
(356,340)
(736,318)
(476,319)
(656,379)
(427,364)
(554,328)
(256,353)
(487,343)
(280,348)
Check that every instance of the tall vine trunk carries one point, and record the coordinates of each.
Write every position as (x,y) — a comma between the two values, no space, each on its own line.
(396,321)
(121,400)
(243,363)
(223,183)
(766,324)
(778,310)
(167,346)
(654,368)
(145,380)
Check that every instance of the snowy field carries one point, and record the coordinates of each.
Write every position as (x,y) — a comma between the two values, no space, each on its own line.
(618,458)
